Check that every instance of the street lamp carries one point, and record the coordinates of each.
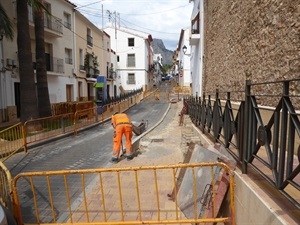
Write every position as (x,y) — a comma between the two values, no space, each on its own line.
(184,48)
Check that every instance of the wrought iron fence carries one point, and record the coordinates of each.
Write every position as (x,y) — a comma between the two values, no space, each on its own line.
(265,138)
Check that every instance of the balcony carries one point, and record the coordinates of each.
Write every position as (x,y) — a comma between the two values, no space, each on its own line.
(81,67)
(194,37)
(92,73)
(68,61)
(53,26)
(89,40)
(53,64)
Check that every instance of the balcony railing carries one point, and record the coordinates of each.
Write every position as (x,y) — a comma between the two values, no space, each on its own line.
(89,40)
(50,22)
(92,73)
(67,25)
(68,61)
(53,64)
(131,81)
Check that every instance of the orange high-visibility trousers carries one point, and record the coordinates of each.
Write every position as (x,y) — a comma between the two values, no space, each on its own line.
(121,129)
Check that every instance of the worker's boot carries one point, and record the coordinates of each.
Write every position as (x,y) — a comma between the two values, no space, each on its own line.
(129,157)
(114,160)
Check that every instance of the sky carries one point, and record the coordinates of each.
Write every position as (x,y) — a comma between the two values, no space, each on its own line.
(163,19)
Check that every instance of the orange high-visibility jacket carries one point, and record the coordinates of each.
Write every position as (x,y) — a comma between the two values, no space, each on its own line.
(120,118)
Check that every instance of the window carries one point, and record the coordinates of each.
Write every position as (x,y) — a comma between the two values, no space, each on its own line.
(68,56)
(47,17)
(89,38)
(118,58)
(131,78)
(131,60)
(67,20)
(130,42)
(81,58)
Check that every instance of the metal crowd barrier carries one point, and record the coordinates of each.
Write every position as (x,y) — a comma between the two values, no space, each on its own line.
(5,186)
(12,139)
(48,127)
(20,135)
(135,195)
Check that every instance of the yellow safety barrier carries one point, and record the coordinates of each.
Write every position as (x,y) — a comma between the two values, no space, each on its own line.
(12,139)
(20,135)
(84,118)
(48,127)
(134,195)
(5,186)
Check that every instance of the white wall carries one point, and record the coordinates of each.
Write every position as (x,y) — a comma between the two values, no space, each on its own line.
(197,52)
(185,60)
(140,49)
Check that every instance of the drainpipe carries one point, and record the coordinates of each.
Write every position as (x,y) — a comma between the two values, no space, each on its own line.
(74,56)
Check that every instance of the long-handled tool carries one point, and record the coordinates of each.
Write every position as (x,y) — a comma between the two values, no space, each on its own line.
(123,152)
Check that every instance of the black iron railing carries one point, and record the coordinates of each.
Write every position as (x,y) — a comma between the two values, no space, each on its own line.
(53,64)
(263,137)
(122,97)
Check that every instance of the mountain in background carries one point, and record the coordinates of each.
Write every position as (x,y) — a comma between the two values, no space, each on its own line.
(159,48)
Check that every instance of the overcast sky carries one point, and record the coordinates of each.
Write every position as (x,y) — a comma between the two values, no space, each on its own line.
(163,19)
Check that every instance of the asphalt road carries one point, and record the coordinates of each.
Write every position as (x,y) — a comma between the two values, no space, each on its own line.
(92,148)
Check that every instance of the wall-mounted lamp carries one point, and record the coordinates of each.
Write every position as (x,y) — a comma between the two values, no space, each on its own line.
(184,48)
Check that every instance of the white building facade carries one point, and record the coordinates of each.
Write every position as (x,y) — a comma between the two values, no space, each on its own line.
(196,47)
(184,58)
(134,58)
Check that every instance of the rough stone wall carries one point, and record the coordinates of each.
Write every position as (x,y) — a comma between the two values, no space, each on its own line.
(258,40)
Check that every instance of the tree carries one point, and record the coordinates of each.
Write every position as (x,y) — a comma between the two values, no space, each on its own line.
(6,29)
(28,101)
(41,72)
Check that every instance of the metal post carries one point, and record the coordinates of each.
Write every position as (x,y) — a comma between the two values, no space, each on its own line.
(283,134)
(246,138)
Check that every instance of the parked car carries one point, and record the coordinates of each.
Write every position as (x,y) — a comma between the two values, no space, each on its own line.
(168,77)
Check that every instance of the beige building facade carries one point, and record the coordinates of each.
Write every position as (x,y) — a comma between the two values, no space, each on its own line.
(77,52)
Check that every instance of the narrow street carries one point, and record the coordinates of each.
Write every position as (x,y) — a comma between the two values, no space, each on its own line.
(92,148)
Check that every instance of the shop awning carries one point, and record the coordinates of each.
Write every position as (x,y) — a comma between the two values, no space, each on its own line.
(98,85)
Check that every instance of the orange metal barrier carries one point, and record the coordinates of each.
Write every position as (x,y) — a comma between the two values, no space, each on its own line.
(70,107)
(5,186)
(84,118)
(18,136)
(48,127)
(11,140)
(135,195)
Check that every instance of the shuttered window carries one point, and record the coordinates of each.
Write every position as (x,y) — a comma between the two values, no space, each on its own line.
(131,60)
(130,42)
(131,78)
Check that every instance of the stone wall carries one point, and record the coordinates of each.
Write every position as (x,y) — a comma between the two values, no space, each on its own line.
(258,40)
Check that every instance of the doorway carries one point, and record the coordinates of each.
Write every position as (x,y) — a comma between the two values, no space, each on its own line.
(69,89)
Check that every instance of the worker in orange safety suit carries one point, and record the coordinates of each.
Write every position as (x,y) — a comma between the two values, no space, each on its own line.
(122,125)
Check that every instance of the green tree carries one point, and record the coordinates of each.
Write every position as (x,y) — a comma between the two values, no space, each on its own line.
(165,68)
(6,29)
(41,72)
